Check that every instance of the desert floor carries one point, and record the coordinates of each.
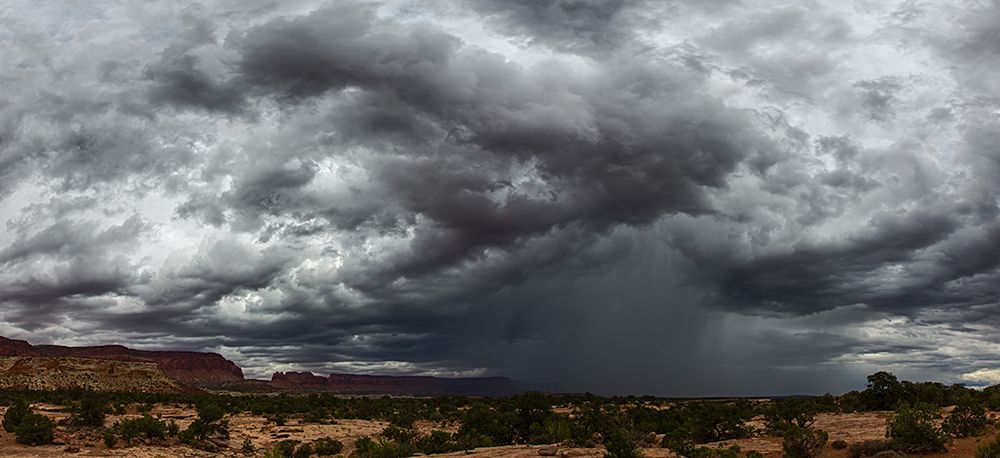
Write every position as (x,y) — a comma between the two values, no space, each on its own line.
(854,427)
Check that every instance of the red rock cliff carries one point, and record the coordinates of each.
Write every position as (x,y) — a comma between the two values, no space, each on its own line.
(191,368)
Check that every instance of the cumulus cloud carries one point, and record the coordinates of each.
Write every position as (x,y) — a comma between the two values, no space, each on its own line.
(598,193)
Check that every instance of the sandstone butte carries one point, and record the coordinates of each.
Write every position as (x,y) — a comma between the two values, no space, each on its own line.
(48,373)
(195,369)
(213,371)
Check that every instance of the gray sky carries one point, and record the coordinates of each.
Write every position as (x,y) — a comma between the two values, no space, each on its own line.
(624,196)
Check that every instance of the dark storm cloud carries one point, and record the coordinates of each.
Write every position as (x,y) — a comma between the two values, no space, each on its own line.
(644,146)
(180,81)
(580,25)
(600,193)
(810,278)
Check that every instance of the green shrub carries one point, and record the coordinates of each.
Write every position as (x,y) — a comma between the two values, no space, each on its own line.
(889,454)
(621,444)
(90,412)
(328,447)
(883,391)
(209,424)
(283,449)
(989,450)
(303,451)
(718,421)
(802,442)
(719,452)
(754,454)
(912,430)
(14,414)
(868,448)
(968,419)
(365,447)
(781,415)
(145,427)
(247,448)
(397,434)
(34,429)
(437,442)
(110,439)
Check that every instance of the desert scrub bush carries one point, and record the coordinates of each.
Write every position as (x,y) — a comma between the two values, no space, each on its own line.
(484,426)
(718,421)
(329,447)
(279,419)
(34,429)
(89,412)
(14,414)
(989,450)
(397,434)
(365,447)
(912,430)
(803,442)
(209,424)
(719,452)
(437,442)
(868,448)
(889,454)
(883,391)
(838,444)
(621,444)
(145,427)
(968,419)
(303,451)
(110,439)
(782,415)
(247,448)
(283,449)
(754,454)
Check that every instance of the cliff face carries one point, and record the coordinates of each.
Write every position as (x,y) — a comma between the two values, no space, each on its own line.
(190,368)
(47,373)
(399,385)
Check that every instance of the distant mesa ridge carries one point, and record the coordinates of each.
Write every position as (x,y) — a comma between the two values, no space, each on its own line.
(404,385)
(213,371)
(196,369)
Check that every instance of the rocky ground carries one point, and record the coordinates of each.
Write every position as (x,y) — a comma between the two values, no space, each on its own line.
(854,427)
(61,373)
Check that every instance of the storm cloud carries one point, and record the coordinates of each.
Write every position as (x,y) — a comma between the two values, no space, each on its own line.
(604,194)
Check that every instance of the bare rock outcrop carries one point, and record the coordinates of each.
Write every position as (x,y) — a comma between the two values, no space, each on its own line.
(190,368)
(49,373)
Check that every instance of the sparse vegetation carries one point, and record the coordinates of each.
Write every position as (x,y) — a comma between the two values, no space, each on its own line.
(990,449)
(868,448)
(89,412)
(912,430)
(143,428)
(803,442)
(330,447)
(968,419)
(782,415)
(34,429)
(110,439)
(622,425)
(14,414)
(209,425)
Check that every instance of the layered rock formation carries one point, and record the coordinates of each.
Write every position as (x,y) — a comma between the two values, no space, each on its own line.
(190,368)
(50,373)
(117,368)
(398,385)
